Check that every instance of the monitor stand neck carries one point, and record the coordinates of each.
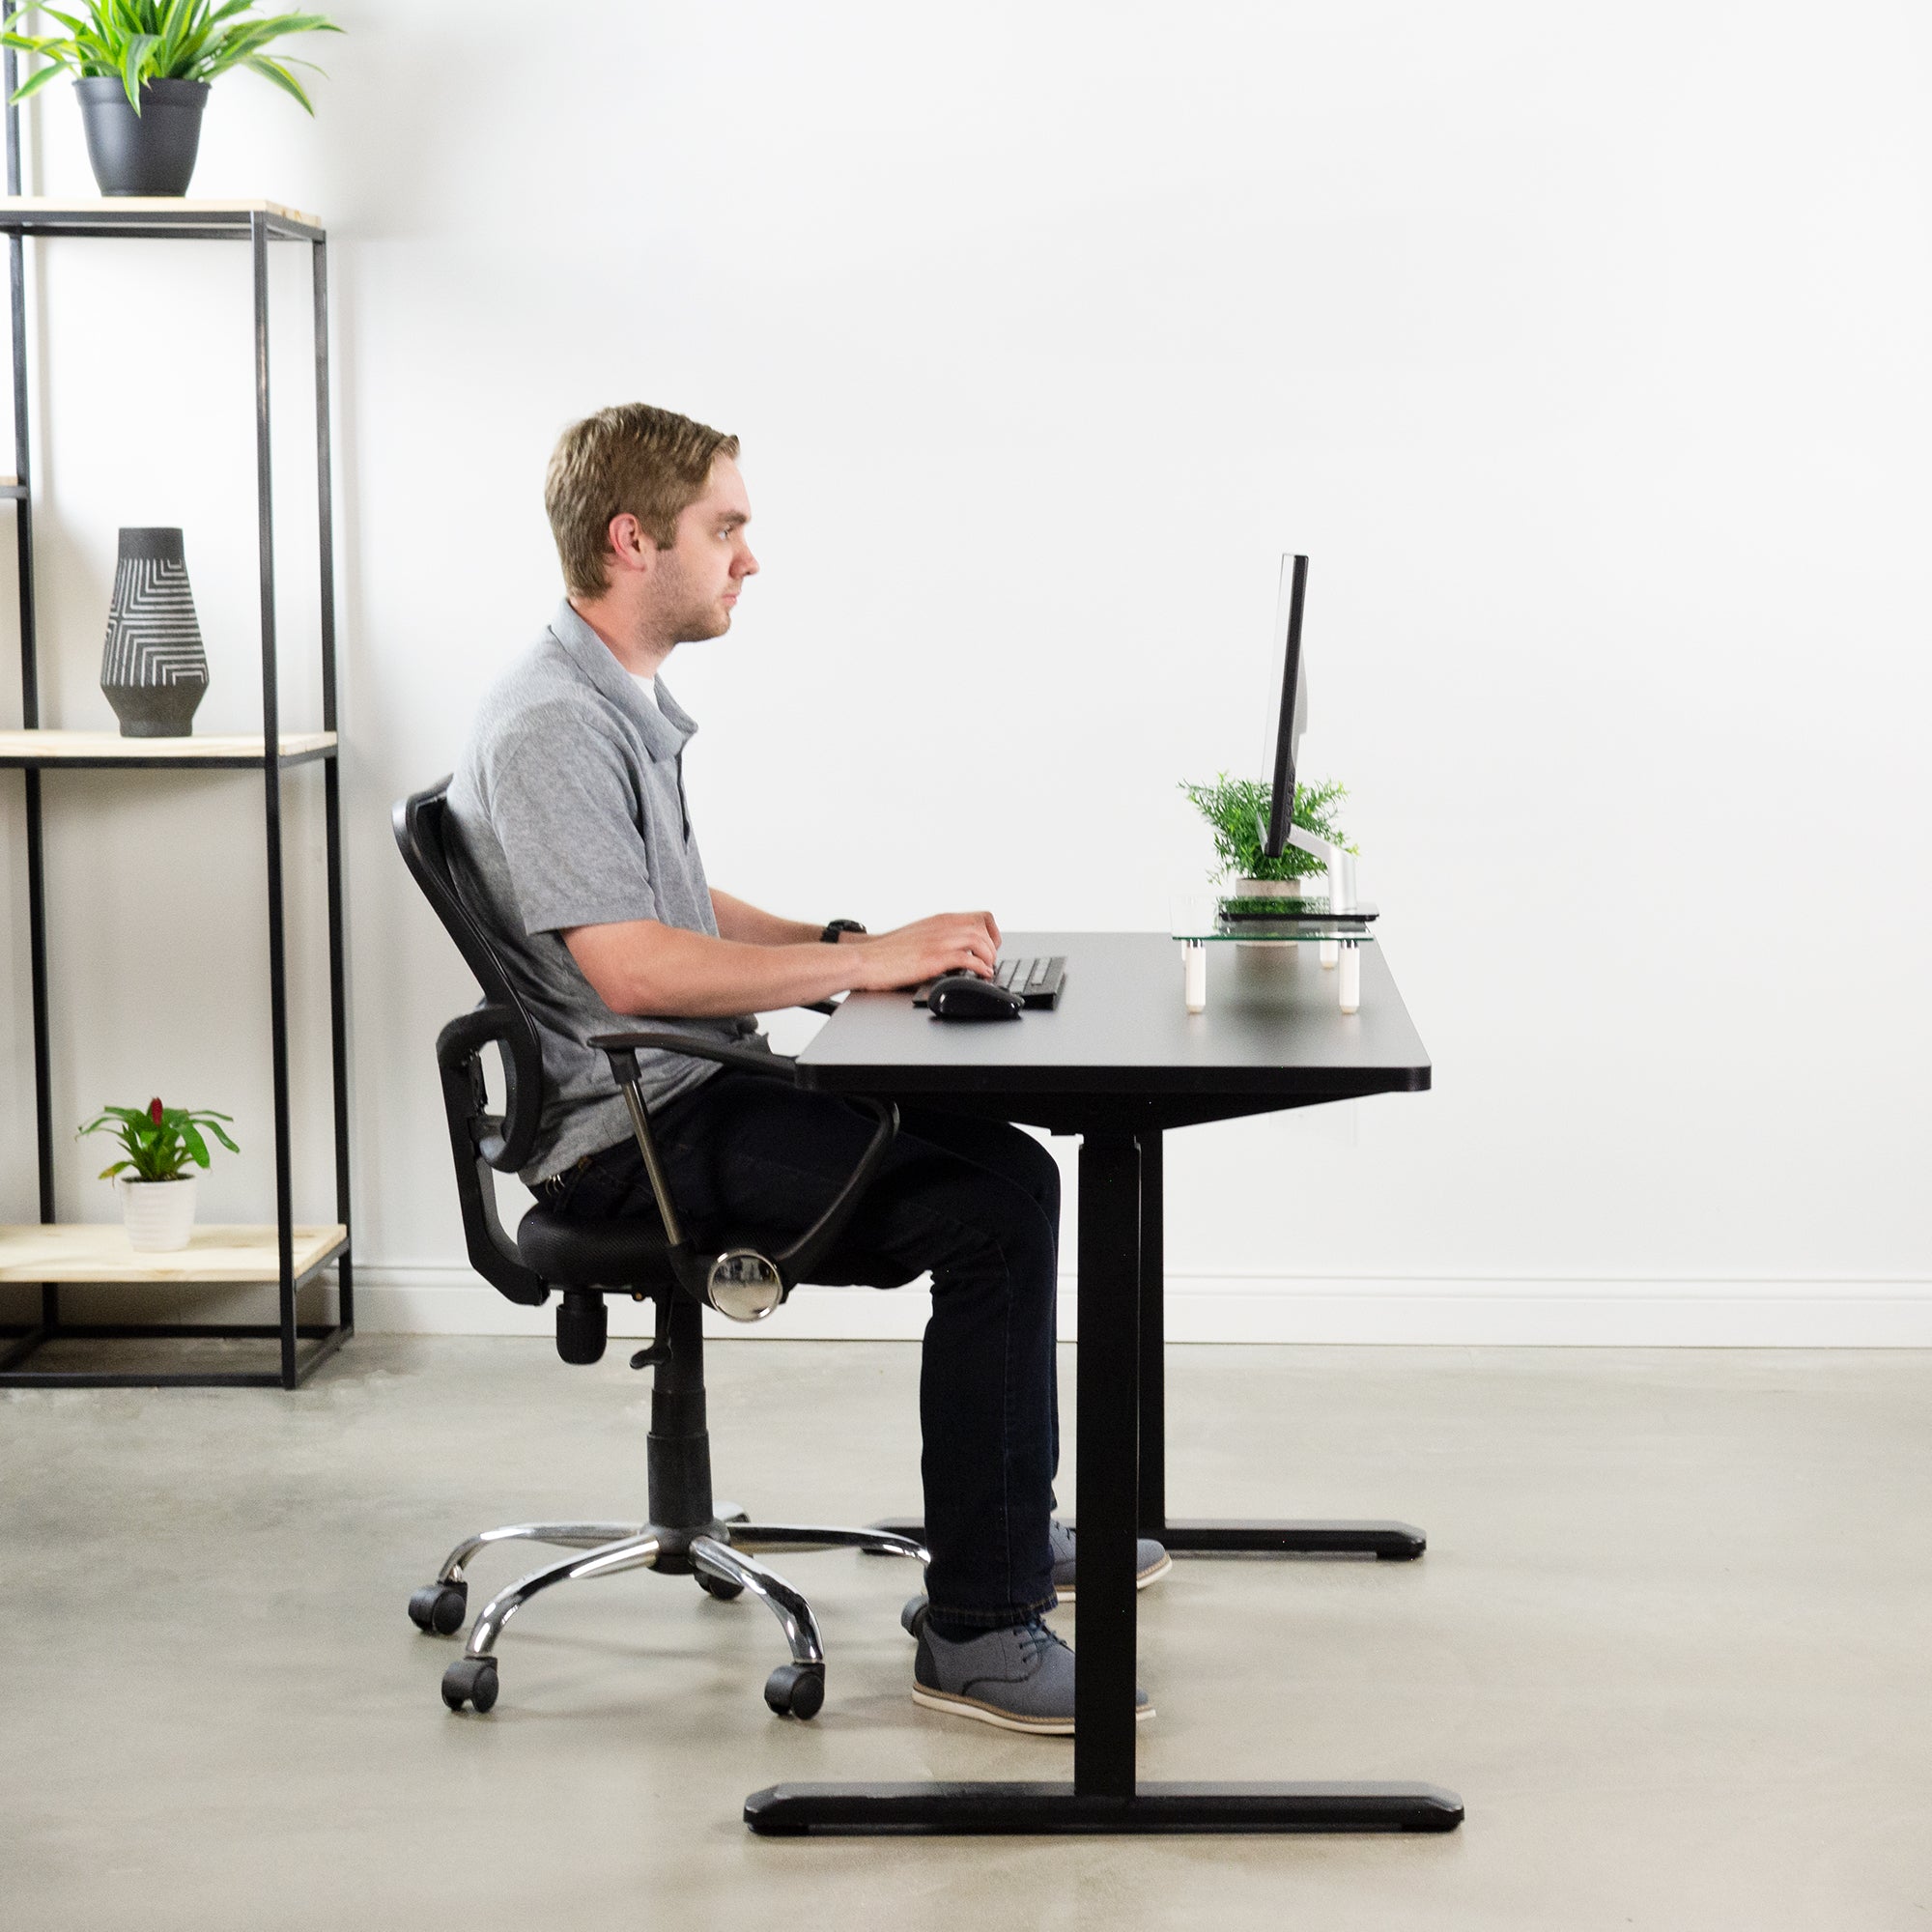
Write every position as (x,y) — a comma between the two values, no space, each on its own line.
(1341,866)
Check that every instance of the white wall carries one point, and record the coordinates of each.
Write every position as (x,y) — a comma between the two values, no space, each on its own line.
(1585,352)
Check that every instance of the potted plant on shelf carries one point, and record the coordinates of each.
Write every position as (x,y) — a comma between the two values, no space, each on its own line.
(142,69)
(158,1198)
(1237,812)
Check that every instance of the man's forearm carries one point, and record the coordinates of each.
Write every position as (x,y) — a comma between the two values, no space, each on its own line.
(643,967)
(736,919)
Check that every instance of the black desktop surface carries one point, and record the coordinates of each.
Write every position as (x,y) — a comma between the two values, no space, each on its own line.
(1272,1036)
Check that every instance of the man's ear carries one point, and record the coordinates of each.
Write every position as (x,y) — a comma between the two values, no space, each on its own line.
(631,546)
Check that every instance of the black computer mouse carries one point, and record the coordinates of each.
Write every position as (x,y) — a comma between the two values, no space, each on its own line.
(965,996)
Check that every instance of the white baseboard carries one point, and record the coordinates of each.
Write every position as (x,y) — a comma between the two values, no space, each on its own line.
(449,1300)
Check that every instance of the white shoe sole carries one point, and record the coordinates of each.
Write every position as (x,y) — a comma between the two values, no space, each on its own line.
(988,1714)
(1141,1582)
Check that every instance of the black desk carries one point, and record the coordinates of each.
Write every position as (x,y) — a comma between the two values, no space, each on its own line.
(1119,1063)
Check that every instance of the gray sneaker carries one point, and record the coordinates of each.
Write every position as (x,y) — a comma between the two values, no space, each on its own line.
(1019,1679)
(1150,1562)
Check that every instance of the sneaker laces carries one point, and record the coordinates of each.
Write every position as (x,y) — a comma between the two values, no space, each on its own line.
(1041,1636)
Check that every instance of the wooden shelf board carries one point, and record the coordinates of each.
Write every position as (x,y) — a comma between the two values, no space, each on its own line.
(53,748)
(176,205)
(96,1252)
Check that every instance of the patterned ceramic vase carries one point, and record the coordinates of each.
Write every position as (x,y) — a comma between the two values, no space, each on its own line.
(152,668)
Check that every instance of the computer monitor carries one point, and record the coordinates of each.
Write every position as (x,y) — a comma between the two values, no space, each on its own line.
(1291,719)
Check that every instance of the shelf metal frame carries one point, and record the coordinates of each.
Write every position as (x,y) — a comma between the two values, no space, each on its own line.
(256,225)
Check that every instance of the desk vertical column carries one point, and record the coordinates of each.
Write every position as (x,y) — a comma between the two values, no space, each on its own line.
(1153,1272)
(1107,1479)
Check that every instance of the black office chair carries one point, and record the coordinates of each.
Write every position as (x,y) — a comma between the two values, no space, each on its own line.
(687,1534)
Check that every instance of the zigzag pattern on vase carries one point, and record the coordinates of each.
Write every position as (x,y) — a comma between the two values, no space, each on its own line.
(153,638)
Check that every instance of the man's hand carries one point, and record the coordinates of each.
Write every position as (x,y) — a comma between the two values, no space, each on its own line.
(950,941)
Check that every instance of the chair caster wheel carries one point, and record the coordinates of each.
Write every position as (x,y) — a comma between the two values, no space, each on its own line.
(795,1689)
(470,1680)
(440,1607)
(718,1586)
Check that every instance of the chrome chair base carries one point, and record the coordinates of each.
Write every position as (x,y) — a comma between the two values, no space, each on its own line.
(723,1556)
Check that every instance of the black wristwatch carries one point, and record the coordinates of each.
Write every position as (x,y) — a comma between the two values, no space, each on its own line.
(831,933)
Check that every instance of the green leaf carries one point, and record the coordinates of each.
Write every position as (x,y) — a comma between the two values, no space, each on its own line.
(273,70)
(108,1173)
(41,80)
(134,62)
(196,1145)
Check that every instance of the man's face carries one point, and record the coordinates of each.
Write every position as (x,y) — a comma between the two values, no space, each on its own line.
(698,580)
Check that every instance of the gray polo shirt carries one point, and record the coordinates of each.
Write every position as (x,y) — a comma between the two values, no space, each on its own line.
(568,810)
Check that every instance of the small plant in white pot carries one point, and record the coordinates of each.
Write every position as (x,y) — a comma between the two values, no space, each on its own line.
(1237,812)
(157,1194)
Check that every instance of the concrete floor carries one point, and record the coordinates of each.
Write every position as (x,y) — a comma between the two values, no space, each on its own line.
(1669,1642)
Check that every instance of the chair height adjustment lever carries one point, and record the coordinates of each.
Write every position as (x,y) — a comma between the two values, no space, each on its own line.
(660,1348)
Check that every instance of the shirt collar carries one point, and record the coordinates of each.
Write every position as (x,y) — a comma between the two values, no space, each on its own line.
(665,726)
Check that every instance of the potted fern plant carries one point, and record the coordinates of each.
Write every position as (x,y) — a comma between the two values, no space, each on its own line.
(1237,812)
(157,1195)
(142,71)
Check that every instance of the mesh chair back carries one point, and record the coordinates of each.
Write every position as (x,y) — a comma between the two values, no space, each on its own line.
(481,1141)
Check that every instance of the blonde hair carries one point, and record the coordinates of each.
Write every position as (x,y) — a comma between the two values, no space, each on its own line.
(650,463)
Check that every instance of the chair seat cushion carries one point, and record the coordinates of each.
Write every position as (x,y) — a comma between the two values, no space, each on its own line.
(629,1252)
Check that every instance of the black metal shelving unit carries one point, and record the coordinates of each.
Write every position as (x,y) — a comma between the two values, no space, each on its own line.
(298,1254)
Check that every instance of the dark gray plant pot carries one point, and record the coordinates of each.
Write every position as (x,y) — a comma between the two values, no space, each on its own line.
(153,668)
(148,152)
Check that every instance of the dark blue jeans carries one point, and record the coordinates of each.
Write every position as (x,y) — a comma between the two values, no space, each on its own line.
(974,1201)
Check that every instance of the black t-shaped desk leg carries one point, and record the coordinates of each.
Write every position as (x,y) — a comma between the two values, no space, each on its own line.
(1195,1536)
(1200,1536)
(1105,1794)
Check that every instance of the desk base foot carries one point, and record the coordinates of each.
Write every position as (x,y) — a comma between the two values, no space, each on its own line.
(1387,1542)
(792,1810)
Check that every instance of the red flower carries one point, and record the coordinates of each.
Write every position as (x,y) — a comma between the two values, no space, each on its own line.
(154,1110)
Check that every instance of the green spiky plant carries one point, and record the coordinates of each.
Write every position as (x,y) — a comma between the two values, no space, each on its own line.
(1237,812)
(139,41)
(160,1141)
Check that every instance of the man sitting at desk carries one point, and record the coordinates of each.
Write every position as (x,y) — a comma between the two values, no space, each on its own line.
(575,846)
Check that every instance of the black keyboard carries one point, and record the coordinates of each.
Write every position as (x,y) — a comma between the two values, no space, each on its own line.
(1038,980)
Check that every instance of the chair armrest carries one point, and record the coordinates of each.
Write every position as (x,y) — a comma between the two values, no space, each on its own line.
(480,1142)
(620,1049)
(793,1263)
(796,1263)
